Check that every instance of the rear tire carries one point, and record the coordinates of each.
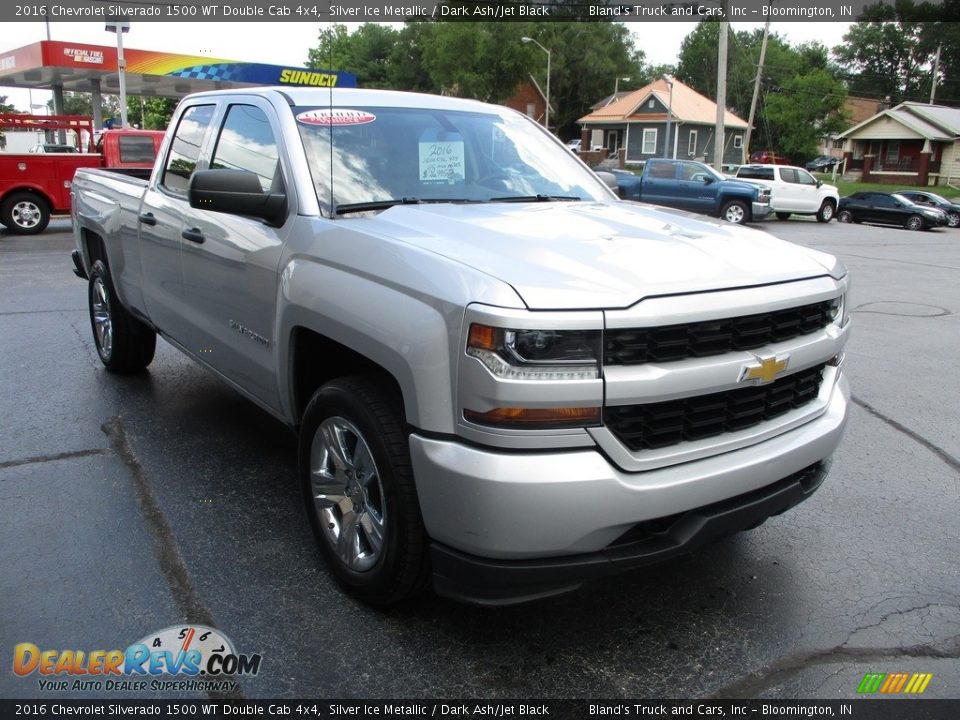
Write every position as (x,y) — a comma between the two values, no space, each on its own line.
(735,211)
(359,492)
(25,213)
(783,216)
(123,343)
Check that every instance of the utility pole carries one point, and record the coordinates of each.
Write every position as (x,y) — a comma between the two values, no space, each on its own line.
(756,90)
(718,134)
(936,69)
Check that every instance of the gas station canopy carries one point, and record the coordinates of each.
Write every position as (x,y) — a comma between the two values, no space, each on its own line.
(79,67)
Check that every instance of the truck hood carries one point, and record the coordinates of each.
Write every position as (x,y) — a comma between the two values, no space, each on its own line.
(592,255)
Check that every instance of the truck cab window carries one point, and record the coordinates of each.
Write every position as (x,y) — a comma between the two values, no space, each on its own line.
(247,142)
(185,148)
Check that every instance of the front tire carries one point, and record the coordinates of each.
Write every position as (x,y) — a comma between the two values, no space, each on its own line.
(358,487)
(123,343)
(783,216)
(826,212)
(953,219)
(914,222)
(25,213)
(735,211)
(845,216)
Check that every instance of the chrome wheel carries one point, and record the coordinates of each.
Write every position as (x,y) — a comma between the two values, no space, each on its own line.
(826,212)
(26,214)
(735,213)
(845,216)
(953,219)
(102,322)
(347,494)
(914,222)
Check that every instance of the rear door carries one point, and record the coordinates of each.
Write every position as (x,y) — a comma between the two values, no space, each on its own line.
(230,261)
(160,221)
(660,183)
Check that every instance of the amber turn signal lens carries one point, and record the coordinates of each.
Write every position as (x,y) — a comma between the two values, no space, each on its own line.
(534,418)
(482,337)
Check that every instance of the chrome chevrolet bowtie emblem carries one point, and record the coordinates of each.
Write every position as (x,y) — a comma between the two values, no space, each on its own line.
(764,369)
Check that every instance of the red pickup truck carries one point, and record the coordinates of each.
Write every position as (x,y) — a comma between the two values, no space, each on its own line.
(36,185)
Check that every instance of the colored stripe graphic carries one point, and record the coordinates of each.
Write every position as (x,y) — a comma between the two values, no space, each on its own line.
(894,683)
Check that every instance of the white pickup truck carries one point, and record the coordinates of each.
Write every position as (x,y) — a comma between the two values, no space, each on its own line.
(504,379)
(793,191)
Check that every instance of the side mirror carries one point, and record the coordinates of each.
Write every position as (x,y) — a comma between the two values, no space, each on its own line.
(708,179)
(608,179)
(237,192)
(819,183)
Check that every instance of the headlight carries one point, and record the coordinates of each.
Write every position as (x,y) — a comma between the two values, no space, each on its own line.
(838,310)
(536,354)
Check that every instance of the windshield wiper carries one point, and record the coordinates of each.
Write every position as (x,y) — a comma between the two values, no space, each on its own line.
(385,204)
(535,198)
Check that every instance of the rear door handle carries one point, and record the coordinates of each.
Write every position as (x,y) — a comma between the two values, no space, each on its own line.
(147,218)
(193,235)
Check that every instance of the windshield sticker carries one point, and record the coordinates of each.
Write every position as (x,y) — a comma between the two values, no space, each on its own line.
(442,162)
(335,116)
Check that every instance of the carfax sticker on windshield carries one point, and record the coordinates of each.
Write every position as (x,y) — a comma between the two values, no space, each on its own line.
(442,161)
(335,116)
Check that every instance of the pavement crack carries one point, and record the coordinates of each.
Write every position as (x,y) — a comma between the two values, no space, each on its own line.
(53,458)
(174,569)
(770,675)
(936,450)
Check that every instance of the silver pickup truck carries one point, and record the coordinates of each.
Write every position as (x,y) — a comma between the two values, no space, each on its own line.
(505,380)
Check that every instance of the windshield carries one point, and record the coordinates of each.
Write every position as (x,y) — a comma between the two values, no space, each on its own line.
(385,155)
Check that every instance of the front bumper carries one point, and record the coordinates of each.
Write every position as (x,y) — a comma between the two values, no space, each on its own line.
(499,517)
(760,210)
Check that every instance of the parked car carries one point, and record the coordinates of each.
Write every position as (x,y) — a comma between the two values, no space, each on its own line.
(52,148)
(823,163)
(502,376)
(889,209)
(929,199)
(692,185)
(769,156)
(793,190)
(574,145)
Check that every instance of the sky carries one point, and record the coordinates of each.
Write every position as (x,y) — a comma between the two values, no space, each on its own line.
(289,42)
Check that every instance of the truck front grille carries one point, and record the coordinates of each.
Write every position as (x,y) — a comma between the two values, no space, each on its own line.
(713,337)
(656,425)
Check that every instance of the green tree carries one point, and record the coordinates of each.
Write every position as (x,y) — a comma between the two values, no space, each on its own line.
(809,107)
(5,107)
(150,113)
(891,52)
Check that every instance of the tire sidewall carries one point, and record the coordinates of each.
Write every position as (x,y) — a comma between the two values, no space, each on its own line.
(6,213)
(914,223)
(99,271)
(334,400)
(826,212)
(743,209)
(845,216)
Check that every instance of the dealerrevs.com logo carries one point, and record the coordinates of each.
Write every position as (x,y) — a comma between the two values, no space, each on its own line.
(191,657)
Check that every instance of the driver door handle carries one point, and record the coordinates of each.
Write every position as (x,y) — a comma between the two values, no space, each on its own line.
(193,235)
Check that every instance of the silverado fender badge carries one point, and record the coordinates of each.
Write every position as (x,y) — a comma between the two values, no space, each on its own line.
(765,370)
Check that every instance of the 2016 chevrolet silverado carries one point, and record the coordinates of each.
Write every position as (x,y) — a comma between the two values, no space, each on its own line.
(504,378)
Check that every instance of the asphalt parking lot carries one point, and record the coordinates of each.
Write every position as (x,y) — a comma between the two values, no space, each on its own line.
(130,504)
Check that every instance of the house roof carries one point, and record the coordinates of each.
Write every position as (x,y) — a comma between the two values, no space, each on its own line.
(610,98)
(687,105)
(933,122)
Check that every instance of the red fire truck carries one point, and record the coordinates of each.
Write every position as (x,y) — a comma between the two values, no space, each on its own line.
(36,185)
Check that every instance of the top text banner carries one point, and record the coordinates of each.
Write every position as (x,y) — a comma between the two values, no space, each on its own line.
(448,10)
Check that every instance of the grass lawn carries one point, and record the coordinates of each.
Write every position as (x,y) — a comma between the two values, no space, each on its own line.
(848,188)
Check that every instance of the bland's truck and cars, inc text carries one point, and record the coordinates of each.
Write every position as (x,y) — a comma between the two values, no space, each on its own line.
(505,380)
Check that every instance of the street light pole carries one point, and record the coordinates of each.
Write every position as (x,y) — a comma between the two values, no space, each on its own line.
(546,118)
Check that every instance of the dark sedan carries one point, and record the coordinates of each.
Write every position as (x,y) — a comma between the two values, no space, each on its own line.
(889,209)
(929,199)
(822,163)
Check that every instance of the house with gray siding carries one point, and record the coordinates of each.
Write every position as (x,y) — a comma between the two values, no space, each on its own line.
(636,125)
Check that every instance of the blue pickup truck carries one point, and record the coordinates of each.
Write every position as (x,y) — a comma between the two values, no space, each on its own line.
(691,185)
